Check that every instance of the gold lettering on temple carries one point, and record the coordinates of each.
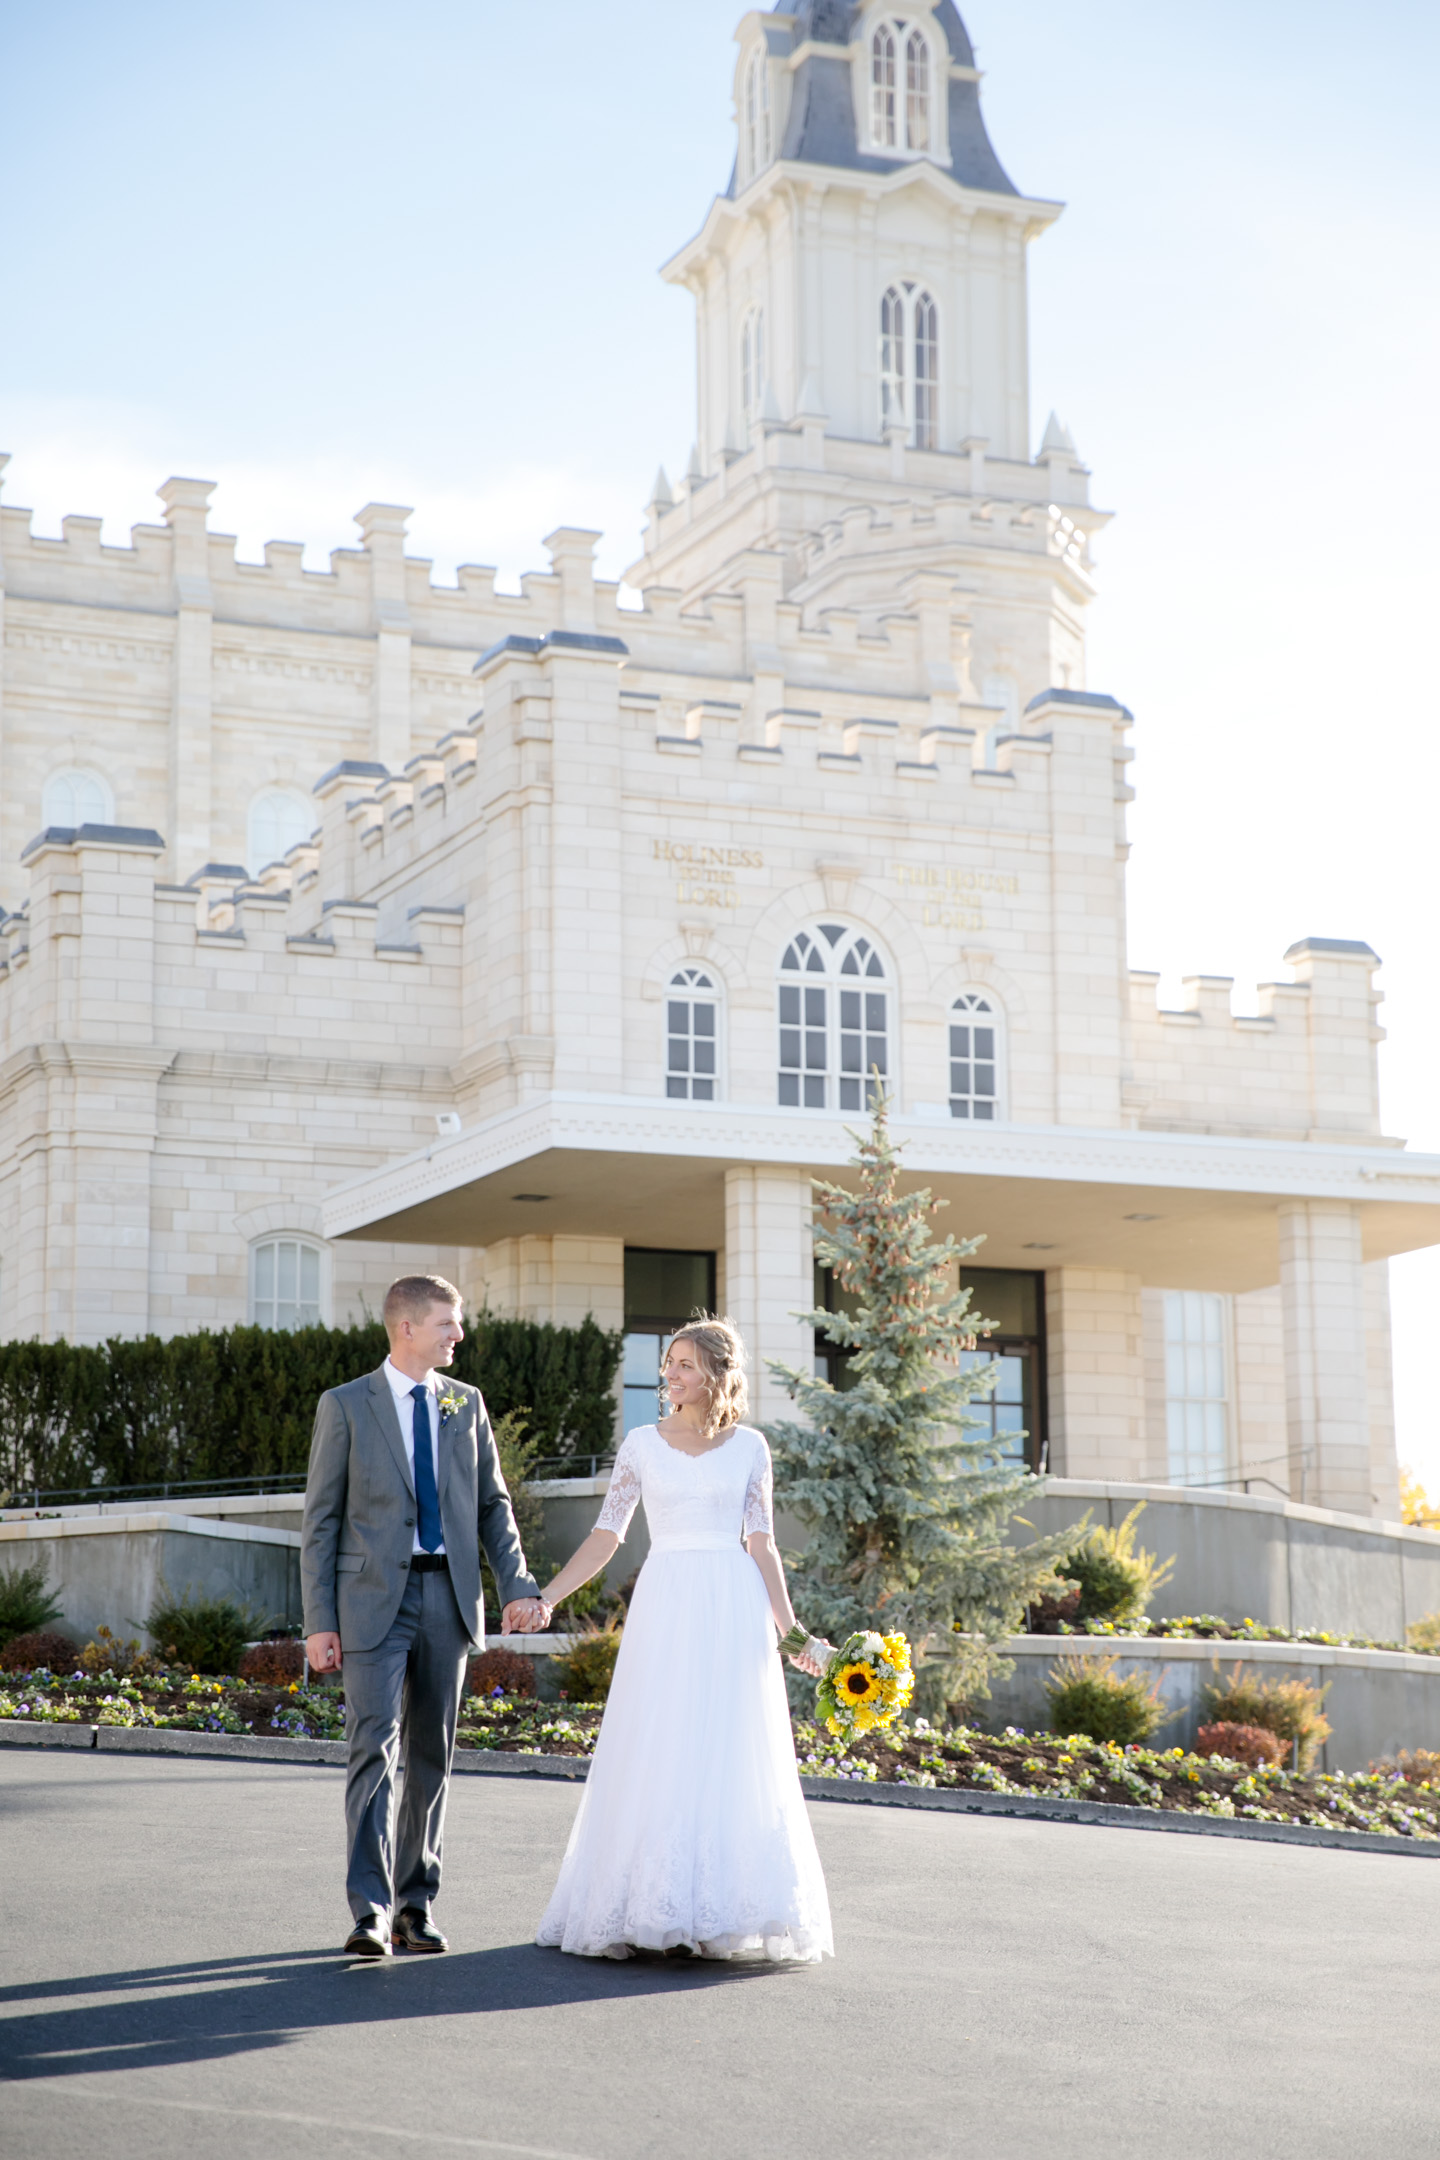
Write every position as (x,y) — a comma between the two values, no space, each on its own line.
(954,896)
(706,875)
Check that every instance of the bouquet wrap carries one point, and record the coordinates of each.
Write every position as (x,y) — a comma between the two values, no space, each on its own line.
(866,1685)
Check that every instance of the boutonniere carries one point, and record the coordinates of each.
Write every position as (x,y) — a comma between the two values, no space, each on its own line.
(450,1402)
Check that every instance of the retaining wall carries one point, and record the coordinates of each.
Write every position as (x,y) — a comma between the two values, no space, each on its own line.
(108,1570)
(1237,1555)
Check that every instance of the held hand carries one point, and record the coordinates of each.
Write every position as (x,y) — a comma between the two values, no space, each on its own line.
(815,1656)
(323,1652)
(525,1616)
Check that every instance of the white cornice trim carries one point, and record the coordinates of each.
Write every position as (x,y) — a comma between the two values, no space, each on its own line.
(727,1133)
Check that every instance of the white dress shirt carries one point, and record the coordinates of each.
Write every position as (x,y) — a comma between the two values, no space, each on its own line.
(400,1386)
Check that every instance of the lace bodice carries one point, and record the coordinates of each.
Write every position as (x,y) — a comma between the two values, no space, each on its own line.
(728,1491)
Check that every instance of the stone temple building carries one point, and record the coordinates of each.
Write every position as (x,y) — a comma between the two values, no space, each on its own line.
(357,922)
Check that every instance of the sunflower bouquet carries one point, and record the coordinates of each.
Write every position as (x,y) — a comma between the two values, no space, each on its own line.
(866,1685)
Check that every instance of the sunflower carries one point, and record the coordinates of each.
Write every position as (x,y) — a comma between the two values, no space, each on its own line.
(857,1684)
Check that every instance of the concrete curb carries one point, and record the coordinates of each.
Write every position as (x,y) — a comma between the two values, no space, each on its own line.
(572,1769)
(1042,1807)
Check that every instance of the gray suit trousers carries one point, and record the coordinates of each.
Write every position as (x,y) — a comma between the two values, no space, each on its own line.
(402,1701)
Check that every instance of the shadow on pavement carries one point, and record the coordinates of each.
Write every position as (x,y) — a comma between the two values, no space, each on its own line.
(229,2006)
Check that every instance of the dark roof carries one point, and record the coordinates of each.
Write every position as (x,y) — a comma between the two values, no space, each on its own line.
(553,641)
(1333,945)
(1079,697)
(122,836)
(821,126)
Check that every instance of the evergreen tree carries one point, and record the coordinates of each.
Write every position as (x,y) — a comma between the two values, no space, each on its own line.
(904,1507)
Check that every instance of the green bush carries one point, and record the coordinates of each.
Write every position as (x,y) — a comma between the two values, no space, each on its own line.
(240,1403)
(25,1604)
(1291,1709)
(1115,1582)
(1424,1633)
(1087,1697)
(587,1669)
(207,1634)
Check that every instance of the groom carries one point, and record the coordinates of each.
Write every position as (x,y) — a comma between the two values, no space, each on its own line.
(403,1489)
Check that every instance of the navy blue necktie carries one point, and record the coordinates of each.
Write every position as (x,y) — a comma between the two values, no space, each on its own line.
(427,1499)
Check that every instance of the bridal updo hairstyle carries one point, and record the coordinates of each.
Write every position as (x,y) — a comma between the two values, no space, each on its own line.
(720,1354)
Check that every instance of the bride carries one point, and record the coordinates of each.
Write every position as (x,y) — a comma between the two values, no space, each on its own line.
(692,1832)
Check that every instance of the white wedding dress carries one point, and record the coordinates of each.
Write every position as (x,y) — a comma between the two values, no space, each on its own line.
(692,1827)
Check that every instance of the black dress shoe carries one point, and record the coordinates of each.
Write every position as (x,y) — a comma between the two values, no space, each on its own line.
(369,1938)
(415,1930)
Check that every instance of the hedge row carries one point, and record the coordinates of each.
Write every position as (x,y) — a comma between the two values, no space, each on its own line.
(240,1403)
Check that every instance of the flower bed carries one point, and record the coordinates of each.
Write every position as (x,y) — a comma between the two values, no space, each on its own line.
(1208,1627)
(914,1752)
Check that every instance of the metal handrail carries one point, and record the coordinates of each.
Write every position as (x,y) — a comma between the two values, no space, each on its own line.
(280,1483)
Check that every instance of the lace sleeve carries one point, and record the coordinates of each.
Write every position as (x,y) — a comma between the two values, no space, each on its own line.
(624,1493)
(760,1492)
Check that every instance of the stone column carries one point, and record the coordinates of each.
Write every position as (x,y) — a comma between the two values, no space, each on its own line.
(1384,1461)
(91,990)
(192,700)
(1322,1296)
(383,528)
(1095,1358)
(767,1275)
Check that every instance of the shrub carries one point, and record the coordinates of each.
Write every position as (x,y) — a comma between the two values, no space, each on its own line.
(273,1663)
(586,1671)
(1418,1766)
(107,1653)
(1424,1633)
(46,1646)
(1115,1582)
(1087,1696)
(1046,1614)
(25,1603)
(1291,1709)
(207,1634)
(1250,1744)
(506,1669)
(240,1402)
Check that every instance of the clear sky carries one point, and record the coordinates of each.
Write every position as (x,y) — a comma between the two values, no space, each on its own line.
(337,252)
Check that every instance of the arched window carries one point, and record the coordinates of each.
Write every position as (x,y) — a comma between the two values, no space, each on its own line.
(74,796)
(834,1016)
(884,103)
(277,822)
(975,1057)
(917,92)
(757,115)
(892,357)
(692,1035)
(927,372)
(287,1282)
(901,94)
(752,361)
(910,363)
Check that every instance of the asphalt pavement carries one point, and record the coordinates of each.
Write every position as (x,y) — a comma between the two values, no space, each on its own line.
(170,1983)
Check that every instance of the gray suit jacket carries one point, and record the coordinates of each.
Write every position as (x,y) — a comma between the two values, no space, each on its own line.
(359,1527)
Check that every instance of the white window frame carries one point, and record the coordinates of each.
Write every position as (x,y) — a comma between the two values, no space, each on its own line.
(807,1025)
(71,777)
(752,362)
(694,984)
(258,858)
(976,1006)
(909,361)
(304,1247)
(900,87)
(1199,1387)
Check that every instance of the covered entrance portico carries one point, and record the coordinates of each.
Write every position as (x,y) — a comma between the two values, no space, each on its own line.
(1104,1214)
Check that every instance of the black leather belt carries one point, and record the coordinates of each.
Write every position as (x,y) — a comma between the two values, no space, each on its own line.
(428,1562)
